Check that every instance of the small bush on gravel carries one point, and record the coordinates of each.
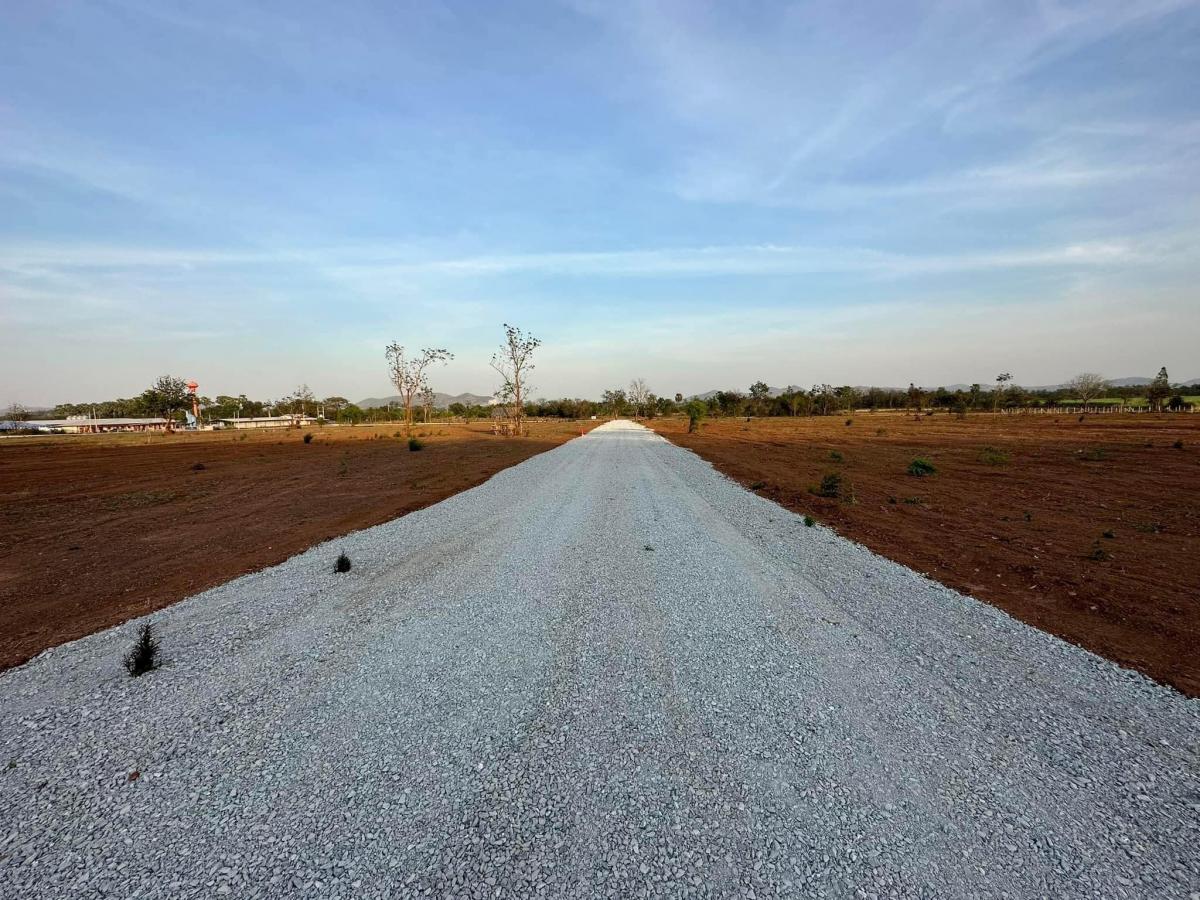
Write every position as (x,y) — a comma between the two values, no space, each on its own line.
(920,467)
(308,437)
(143,657)
(990,456)
(415,444)
(809,521)
(342,566)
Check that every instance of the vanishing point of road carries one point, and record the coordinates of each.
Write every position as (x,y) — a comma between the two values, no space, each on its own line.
(607,672)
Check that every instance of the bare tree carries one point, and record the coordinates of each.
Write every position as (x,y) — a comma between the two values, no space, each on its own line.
(639,395)
(408,374)
(998,394)
(303,397)
(513,362)
(1087,386)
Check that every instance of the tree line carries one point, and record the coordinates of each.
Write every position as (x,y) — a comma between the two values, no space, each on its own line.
(167,397)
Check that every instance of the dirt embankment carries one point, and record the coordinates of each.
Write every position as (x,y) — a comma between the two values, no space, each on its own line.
(95,530)
(1089,530)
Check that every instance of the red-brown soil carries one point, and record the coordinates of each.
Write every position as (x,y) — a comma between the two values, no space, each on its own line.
(1019,534)
(95,530)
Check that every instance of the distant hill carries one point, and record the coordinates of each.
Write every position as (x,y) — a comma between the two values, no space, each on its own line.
(440,401)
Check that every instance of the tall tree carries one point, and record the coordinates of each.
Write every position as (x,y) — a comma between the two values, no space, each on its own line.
(998,394)
(408,374)
(166,397)
(428,397)
(1159,390)
(513,361)
(760,392)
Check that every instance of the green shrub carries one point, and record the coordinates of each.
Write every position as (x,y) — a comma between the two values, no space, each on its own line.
(835,456)
(914,501)
(809,521)
(990,456)
(757,485)
(1098,553)
(831,486)
(342,566)
(920,467)
(415,444)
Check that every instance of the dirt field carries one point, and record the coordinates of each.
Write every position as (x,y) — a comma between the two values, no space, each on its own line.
(97,529)
(1023,528)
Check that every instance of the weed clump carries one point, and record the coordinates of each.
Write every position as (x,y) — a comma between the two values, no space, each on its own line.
(415,444)
(757,485)
(831,486)
(1098,553)
(199,467)
(308,437)
(1094,454)
(342,566)
(143,657)
(809,521)
(849,422)
(1109,535)
(880,431)
(1178,445)
(920,467)
(836,456)
(990,456)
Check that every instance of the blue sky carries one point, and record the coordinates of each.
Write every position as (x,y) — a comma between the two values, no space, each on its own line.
(257,195)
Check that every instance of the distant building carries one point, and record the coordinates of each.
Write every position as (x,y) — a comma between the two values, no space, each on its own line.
(85,425)
(288,421)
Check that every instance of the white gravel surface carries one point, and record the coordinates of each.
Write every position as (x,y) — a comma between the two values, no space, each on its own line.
(609,672)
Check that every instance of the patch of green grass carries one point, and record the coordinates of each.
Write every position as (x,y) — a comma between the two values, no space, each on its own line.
(991,456)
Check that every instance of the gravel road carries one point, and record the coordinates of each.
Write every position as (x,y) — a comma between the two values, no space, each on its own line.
(609,672)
